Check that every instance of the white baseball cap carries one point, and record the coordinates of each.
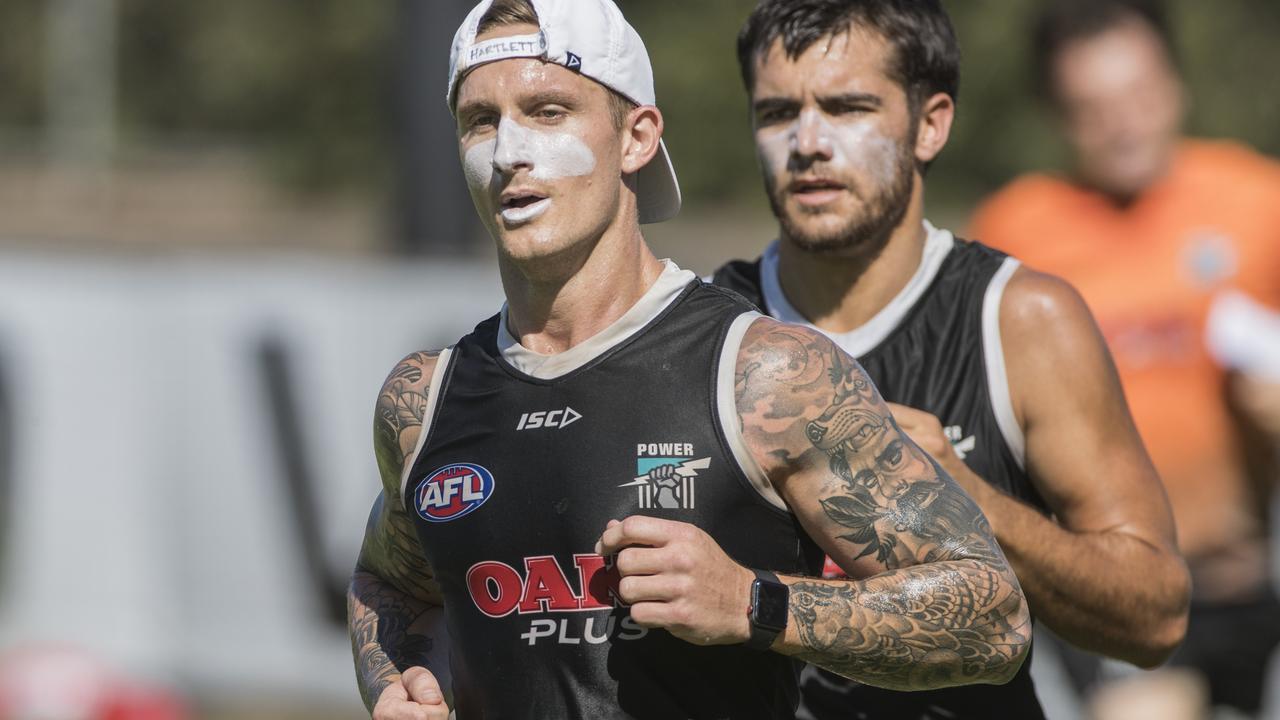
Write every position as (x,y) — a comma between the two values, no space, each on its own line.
(590,37)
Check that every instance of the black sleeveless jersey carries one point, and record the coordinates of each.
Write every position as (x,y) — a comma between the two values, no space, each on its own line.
(514,484)
(934,358)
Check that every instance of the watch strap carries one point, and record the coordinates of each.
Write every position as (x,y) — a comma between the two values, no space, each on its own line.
(762,636)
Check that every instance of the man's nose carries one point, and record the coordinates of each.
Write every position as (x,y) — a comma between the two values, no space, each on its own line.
(811,136)
(512,150)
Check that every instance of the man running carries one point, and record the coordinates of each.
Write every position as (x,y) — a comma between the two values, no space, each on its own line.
(999,370)
(586,500)
(1153,228)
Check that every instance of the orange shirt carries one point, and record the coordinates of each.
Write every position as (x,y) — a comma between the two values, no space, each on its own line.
(1149,272)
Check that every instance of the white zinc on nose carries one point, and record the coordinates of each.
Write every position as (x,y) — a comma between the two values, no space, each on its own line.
(811,134)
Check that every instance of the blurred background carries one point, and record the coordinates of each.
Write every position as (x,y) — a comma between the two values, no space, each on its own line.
(221,223)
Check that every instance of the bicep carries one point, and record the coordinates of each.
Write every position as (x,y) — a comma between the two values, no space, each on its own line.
(391,548)
(871,498)
(1084,454)
(391,552)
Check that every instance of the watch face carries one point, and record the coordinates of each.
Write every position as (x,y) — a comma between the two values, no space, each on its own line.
(769,605)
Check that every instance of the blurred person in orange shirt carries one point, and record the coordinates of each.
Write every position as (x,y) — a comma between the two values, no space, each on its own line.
(1152,228)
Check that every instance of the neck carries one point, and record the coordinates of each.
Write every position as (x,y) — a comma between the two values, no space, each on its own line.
(842,293)
(555,303)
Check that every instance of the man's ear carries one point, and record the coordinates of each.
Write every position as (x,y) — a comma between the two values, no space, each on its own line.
(936,116)
(643,131)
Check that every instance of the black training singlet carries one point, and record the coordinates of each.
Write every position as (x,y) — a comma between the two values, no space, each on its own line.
(517,479)
(935,348)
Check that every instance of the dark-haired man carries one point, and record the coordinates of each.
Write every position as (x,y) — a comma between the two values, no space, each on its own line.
(998,370)
(575,492)
(1153,229)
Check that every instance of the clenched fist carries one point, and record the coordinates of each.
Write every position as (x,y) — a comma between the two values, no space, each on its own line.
(674,576)
(417,696)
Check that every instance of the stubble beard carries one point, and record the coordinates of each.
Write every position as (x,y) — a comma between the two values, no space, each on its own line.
(865,232)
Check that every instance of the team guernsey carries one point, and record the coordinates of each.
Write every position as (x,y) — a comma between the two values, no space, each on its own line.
(524,461)
(936,347)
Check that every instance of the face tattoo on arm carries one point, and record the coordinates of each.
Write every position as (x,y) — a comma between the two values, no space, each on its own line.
(937,604)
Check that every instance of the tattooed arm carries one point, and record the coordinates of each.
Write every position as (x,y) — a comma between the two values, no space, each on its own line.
(1104,571)
(933,602)
(394,605)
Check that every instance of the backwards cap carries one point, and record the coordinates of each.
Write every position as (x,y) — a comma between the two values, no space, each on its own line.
(592,38)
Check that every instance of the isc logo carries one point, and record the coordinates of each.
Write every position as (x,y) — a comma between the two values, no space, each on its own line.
(453,491)
(548,419)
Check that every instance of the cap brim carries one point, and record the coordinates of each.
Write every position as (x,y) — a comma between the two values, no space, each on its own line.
(657,189)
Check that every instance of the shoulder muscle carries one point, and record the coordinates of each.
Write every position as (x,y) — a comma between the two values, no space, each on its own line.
(1046,329)
(391,549)
(1083,450)
(399,416)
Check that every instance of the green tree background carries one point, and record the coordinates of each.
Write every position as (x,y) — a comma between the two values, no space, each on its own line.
(1230,49)
(305,87)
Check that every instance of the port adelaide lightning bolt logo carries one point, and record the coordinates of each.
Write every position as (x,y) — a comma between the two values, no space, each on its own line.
(666,475)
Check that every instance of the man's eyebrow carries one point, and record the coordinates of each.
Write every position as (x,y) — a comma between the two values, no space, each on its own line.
(473,106)
(852,98)
(552,97)
(774,103)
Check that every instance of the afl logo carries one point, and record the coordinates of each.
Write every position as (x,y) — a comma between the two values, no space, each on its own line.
(453,491)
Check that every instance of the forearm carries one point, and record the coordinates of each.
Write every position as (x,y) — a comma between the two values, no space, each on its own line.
(919,628)
(1107,592)
(392,631)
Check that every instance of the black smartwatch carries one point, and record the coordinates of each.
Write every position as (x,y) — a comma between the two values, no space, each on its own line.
(768,611)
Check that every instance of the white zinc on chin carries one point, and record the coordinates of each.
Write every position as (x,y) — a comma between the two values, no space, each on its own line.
(856,145)
(549,155)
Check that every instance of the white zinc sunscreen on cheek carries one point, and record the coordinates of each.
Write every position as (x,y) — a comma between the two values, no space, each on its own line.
(478,165)
(548,156)
(864,147)
(854,146)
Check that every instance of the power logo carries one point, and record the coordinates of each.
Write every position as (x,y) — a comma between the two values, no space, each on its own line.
(452,492)
(665,475)
(961,444)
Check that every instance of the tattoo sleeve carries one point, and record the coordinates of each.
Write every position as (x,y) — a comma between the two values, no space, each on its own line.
(393,601)
(935,602)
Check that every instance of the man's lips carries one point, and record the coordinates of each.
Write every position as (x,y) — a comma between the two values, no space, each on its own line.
(516,198)
(522,205)
(815,191)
